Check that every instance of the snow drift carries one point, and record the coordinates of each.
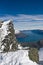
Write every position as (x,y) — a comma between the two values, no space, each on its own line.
(19,57)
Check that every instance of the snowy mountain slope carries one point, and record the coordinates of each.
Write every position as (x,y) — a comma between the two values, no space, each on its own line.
(7,36)
(19,57)
(9,44)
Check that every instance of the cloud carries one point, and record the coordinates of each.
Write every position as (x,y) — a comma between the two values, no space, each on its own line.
(22,17)
(27,18)
(28,25)
(25,22)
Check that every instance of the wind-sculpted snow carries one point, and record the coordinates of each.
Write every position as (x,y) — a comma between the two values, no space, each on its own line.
(19,57)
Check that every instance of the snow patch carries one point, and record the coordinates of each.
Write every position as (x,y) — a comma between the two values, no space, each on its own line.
(20,47)
(41,54)
(19,57)
(17,31)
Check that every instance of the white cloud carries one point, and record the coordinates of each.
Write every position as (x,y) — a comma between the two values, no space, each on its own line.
(22,17)
(25,22)
(28,25)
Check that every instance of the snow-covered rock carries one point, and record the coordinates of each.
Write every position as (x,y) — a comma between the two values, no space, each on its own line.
(19,57)
(7,36)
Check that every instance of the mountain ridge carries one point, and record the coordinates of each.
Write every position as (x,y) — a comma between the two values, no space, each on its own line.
(7,36)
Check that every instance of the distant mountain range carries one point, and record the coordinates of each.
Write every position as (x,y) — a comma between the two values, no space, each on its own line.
(30,35)
(37,31)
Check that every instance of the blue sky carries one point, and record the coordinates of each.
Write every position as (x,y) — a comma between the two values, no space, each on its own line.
(27,14)
(14,7)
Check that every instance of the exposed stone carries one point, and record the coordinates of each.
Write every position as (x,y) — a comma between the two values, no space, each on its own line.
(9,43)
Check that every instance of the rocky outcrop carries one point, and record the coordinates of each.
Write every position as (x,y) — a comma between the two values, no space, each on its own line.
(1,23)
(8,40)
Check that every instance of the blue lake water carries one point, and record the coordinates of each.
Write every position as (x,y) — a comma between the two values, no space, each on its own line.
(31,37)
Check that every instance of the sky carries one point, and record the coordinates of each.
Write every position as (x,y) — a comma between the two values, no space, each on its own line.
(14,7)
(27,14)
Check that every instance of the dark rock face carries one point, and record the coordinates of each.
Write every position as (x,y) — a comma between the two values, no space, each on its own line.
(9,42)
(1,23)
(38,44)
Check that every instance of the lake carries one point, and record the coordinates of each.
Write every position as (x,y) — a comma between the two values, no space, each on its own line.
(31,36)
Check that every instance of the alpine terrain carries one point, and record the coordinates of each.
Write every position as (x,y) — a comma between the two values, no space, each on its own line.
(11,53)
